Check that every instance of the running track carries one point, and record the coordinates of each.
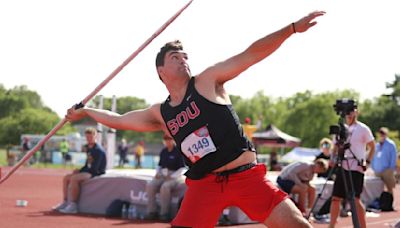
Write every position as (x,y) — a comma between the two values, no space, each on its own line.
(42,189)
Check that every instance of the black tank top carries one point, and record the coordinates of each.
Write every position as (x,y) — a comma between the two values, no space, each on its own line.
(208,134)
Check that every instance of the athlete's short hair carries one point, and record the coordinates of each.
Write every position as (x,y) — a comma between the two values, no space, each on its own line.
(175,45)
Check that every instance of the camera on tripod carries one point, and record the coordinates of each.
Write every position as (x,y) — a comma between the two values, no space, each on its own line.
(342,107)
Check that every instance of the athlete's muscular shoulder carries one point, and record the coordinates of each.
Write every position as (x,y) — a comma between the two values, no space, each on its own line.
(207,86)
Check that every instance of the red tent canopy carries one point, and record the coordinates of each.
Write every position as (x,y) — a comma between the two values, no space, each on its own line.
(273,137)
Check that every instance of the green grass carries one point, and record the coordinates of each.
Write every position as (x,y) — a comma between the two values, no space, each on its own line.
(3,157)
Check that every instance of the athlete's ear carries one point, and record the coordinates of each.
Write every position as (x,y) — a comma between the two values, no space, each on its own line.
(160,71)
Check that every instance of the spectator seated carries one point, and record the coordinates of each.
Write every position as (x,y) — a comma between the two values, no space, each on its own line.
(126,185)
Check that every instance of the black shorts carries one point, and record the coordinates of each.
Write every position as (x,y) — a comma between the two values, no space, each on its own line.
(339,188)
(285,185)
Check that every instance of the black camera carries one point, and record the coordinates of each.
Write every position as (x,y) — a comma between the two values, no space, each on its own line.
(338,130)
(342,107)
(345,106)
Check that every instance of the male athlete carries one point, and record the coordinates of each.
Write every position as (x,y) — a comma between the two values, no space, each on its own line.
(199,116)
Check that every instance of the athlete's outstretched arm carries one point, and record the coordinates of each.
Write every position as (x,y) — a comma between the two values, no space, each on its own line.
(259,50)
(138,120)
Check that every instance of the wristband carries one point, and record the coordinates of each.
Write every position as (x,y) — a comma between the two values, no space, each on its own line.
(294,28)
(79,105)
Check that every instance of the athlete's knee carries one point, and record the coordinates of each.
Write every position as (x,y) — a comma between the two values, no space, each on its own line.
(293,220)
(286,214)
(297,220)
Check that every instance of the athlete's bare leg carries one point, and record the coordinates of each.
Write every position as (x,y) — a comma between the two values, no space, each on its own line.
(286,214)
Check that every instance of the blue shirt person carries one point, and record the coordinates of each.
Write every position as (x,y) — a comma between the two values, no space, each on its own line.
(384,160)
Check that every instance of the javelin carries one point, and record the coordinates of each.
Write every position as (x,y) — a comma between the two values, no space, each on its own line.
(94,92)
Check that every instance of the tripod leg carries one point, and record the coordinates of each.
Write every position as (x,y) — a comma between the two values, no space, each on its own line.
(351,197)
(331,171)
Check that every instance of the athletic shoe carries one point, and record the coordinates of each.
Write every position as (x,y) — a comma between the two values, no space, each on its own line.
(344,213)
(322,219)
(60,206)
(71,208)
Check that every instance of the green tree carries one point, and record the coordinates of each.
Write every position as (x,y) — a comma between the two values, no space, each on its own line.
(304,115)
(309,116)
(383,110)
(260,106)
(256,106)
(395,87)
(16,99)
(27,121)
(22,112)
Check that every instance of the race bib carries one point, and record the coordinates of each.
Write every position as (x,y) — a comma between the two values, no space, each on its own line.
(198,144)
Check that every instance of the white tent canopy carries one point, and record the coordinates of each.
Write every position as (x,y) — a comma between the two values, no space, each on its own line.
(300,154)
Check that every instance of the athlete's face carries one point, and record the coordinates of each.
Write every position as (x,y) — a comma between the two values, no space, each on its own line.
(175,65)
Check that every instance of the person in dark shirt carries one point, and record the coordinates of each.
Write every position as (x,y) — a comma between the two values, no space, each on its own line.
(123,152)
(169,174)
(26,146)
(95,165)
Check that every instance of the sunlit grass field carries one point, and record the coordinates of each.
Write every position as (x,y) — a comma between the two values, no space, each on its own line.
(3,157)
